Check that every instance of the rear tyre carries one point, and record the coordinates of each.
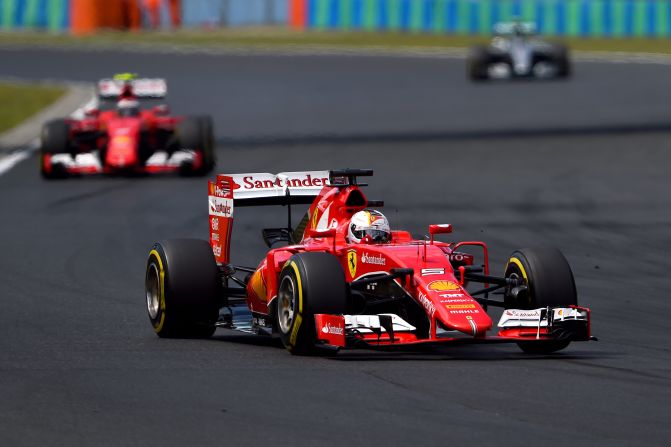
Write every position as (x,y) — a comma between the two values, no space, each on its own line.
(477,63)
(196,133)
(309,284)
(549,282)
(182,288)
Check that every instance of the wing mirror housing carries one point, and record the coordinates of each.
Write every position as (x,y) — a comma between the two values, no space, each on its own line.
(439,229)
(161,110)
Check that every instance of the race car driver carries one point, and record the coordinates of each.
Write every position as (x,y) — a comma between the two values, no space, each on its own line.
(128,107)
(368,226)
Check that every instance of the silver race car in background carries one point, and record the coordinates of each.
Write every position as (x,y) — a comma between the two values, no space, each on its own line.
(515,52)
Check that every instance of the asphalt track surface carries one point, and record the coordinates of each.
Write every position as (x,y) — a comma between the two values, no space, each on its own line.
(581,165)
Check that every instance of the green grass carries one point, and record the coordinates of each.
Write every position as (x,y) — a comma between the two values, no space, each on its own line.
(282,37)
(20,102)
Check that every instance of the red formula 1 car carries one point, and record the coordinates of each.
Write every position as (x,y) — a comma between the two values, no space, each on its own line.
(321,291)
(127,139)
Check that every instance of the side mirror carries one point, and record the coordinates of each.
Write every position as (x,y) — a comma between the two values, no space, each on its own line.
(439,229)
(331,232)
(161,110)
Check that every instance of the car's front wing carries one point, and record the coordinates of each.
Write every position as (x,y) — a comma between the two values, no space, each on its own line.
(89,163)
(387,331)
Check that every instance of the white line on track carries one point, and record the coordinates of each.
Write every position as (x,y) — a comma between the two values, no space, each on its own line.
(10,160)
(14,158)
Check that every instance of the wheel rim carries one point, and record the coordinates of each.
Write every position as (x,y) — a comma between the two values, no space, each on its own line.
(153,287)
(516,274)
(286,304)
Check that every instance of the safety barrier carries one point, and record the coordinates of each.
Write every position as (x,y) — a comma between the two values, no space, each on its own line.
(53,15)
(587,18)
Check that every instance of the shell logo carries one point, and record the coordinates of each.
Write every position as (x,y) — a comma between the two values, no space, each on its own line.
(443,286)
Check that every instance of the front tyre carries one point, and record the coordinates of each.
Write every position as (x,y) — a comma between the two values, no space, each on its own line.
(550,283)
(477,63)
(309,284)
(182,288)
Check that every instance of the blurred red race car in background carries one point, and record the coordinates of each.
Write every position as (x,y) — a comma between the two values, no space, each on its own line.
(129,138)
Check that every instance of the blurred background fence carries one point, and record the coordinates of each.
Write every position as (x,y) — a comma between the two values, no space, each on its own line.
(587,18)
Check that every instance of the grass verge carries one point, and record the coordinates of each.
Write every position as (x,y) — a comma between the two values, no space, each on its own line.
(20,102)
(282,37)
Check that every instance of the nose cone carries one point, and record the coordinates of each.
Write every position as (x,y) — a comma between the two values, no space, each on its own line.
(123,143)
(455,308)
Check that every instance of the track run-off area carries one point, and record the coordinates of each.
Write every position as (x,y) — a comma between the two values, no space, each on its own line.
(582,165)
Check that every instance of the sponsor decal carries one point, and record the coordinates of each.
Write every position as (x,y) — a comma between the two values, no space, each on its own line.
(373,259)
(433,271)
(221,191)
(216,249)
(307,181)
(215,237)
(443,286)
(428,305)
(314,218)
(333,330)
(121,140)
(460,306)
(221,207)
(351,262)
(462,299)
(260,321)
(465,311)
(333,224)
(214,224)
(450,295)
(516,313)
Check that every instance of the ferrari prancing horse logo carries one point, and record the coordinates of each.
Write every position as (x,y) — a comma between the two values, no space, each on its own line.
(351,262)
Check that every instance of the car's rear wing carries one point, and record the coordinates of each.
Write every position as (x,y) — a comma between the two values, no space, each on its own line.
(156,88)
(255,189)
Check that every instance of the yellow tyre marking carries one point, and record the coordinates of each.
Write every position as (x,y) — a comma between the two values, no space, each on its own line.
(293,265)
(161,274)
(299,317)
(294,332)
(519,265)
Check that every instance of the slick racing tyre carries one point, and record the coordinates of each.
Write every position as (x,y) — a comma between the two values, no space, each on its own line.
(563,62)
(54,137)
(309,284)
(182,288)
(196,133)
(477,63)
(549,282)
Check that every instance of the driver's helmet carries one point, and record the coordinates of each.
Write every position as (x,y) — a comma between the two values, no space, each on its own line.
(371,224)
(128,107)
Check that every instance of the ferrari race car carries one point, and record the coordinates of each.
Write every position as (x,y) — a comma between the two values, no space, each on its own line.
(320,292)
(127,139)
(516,53)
